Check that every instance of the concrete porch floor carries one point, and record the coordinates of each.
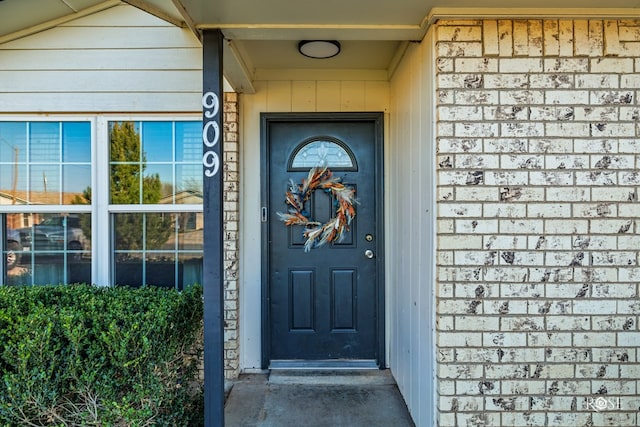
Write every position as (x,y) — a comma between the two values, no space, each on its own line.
(316,398)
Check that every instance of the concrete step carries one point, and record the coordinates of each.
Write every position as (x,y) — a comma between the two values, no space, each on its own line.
(317,399)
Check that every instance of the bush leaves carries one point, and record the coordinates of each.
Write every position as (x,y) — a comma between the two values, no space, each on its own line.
(81,355)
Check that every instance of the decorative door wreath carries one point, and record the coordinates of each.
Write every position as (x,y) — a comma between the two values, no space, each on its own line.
(316,233)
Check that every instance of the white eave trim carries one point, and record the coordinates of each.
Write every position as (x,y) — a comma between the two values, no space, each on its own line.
(531,13)
(59,21)
(152,10)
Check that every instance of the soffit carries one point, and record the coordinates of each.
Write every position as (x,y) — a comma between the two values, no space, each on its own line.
(263,35)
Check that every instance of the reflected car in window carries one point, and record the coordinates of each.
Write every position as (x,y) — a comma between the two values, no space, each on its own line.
(55,233)
(13,248)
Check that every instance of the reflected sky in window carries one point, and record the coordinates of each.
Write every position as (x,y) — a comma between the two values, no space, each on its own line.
(43,150)
(76,139)
(76,178)
(13,138)
(157,141)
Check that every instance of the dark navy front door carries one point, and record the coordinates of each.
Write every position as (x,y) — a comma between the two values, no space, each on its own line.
(325,304)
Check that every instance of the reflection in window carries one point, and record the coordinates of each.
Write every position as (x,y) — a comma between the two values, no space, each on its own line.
(44,162)
(157,248)
(44,248)
(155,162)
(157,141)
(322,153)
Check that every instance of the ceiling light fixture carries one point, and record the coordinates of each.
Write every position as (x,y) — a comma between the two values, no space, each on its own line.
(319,49)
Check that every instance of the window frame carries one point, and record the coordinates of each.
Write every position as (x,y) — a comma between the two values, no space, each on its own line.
(101,210)
(107,270)
(54,208)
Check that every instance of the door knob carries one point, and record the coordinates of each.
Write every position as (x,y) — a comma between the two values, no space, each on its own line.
(368,253)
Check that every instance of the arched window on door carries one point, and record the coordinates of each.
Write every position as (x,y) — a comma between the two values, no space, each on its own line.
(322,151)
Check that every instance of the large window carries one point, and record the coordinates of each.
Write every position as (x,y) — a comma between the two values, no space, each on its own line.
(44,168)
(101,201)
(155,173)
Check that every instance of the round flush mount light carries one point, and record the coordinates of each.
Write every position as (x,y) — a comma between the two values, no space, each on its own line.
(319,49)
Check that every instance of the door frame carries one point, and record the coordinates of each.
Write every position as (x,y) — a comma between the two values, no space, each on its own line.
(377,118)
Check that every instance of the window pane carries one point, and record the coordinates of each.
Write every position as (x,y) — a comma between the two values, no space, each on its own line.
(13,184)
(48,269)
(13,140)
(13,154)
(157,141)
(160,231)
(157,185)
(125,184)
(44,142)
(76,184)
(125,154)
(188,142)
(45,184)
(76,142)
(128,231)
(124,142)
(160,269)
(189,184)
(190,226)
(128,269)
(191,269)
(48,248)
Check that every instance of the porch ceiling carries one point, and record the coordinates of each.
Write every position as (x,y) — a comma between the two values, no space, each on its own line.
(263,35)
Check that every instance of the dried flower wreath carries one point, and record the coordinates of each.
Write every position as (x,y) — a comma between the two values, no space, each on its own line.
(316,233)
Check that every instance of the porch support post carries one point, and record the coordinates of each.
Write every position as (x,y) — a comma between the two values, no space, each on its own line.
(213,267)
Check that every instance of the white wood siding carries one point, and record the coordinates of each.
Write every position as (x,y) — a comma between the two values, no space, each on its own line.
(118,60)
(283,96)
(410,248)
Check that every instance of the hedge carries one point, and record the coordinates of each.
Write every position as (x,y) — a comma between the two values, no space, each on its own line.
(81,355)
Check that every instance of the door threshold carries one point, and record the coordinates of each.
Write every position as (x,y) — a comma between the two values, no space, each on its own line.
(331,364)
(342,377)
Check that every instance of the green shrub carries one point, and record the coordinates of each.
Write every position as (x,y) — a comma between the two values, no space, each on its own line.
(103,356)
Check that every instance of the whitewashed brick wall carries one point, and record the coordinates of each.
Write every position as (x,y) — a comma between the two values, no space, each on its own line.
(538,222)
(231,222)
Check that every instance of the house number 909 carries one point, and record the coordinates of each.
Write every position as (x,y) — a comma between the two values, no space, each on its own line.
(210,134)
